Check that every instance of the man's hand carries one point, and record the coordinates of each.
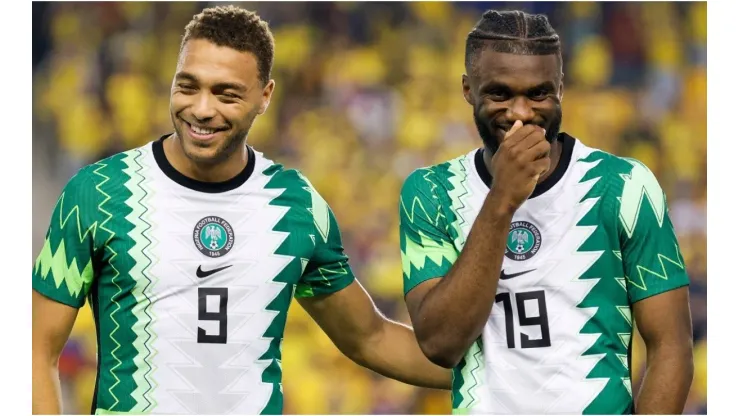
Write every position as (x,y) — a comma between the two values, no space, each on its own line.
(518,163)
(358,329)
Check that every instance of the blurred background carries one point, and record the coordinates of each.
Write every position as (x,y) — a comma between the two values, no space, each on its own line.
(367,92)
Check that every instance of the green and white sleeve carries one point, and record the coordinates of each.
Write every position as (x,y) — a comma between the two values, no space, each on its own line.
(427,250)
(64,270)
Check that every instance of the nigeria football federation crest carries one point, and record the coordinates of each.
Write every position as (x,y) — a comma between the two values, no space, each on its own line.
(523,242)
(213,236)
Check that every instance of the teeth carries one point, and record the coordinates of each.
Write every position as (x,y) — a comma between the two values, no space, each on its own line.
(202,131)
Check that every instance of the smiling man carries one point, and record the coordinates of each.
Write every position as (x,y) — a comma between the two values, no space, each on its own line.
(191,248)
(527,261)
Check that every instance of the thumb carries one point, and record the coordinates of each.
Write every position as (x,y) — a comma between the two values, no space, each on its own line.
(517,125)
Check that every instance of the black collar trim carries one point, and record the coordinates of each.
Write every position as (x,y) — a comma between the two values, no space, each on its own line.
(542,187)
(194,184)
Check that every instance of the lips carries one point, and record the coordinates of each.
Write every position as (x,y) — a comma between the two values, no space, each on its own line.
(202,132)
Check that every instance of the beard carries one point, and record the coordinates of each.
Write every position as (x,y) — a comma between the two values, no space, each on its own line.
(490,140)
(213,153)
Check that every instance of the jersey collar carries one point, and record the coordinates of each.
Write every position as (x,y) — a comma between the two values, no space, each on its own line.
(196,185)
(568,143)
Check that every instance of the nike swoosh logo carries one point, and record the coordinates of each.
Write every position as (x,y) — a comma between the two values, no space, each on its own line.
(505,276)
(205,273)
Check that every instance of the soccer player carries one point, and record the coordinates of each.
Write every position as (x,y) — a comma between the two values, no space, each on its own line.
(526,262)
(191,247)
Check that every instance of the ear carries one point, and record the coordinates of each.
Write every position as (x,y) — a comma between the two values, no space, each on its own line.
(266,95)
(561,88)
(467,90)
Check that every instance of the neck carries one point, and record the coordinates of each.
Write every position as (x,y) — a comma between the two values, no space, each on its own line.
(556,149)
(220,170)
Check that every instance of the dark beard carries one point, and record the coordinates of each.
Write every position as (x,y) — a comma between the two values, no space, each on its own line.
(491,142)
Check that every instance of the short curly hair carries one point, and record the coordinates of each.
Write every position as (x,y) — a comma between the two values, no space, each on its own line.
(235,28)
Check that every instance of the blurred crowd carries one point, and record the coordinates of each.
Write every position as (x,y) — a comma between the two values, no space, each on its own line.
(365,94)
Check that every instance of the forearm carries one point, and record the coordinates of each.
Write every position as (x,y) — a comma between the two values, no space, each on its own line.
(667,381)
(453,313)
(395,353)
(46,395)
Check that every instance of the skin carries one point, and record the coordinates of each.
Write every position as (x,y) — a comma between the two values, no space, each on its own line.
(516,101)
(664,321)
(51,325)
(218,87)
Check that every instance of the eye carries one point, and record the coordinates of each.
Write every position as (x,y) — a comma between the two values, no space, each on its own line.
(228,98)
(497,94)
(186,88)
(539,94)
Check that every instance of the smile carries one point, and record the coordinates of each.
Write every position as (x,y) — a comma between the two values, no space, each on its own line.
(202,133)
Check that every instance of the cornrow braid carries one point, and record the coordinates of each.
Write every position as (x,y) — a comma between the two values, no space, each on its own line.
(514,32)
(238,29)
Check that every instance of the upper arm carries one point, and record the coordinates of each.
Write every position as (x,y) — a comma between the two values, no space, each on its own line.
(64,270)
(664,320)
(348,317)
(427,249)
(654,267)
(51,325)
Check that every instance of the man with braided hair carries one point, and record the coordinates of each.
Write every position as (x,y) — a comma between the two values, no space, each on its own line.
(526,262)
(191,248)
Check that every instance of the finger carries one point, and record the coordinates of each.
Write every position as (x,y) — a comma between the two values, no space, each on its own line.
(534,136)
(540,150)
(542,165)
(515,139)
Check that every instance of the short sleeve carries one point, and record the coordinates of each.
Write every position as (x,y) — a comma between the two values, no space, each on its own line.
(427,249)
(649,247)
(64,269)
(328,270)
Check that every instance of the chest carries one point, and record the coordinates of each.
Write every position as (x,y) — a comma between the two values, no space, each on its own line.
(554,239)
(183,239)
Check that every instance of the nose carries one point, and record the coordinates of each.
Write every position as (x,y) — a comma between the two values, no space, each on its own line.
(203,108)
(519,109)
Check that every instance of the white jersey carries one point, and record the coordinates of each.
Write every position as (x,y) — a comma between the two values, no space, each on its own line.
(189,282)
(593,239)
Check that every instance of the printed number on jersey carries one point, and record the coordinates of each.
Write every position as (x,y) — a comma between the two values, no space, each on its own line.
(525,319)
(220,316)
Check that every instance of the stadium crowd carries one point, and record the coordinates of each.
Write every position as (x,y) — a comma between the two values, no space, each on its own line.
(365,94)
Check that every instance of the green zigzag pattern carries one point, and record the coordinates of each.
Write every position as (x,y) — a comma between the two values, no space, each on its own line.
(155,260)
(470,376)
(459,190)
(142,263)
(106,198)
(56,263)
(664,275)
(612,319)
(430,248)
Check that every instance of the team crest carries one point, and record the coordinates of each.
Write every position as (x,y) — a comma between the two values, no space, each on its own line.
(523,241)
(213,236)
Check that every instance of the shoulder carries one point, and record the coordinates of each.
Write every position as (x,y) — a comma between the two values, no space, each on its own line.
(622,173)
(429,180)
(116,168)
(294,187)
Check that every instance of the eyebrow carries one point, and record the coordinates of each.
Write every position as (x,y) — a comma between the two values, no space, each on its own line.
(547,85)
(221,85)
